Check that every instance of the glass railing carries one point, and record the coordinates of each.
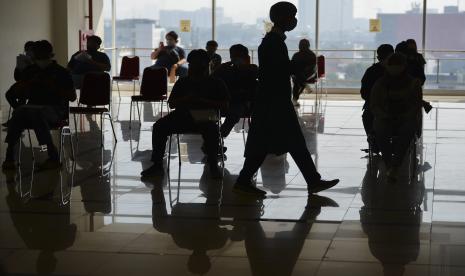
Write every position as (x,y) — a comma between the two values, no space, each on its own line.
(445,70)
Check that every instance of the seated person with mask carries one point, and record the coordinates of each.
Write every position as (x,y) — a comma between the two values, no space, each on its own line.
(171,56)
(305,67)
(48,88)
(396,101)
(90,60)
(190,96)
(240,78)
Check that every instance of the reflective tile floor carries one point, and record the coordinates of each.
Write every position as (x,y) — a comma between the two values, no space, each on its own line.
(96,217)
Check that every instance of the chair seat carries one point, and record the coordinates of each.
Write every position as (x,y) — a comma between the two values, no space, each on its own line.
(123,78)
(140,98)
(88,110)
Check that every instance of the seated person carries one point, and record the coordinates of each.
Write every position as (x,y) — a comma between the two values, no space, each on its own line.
(305,66)
(190,96)
(372,74)
(47,91)
(23,62)
(215,59)
(396,101)
(171,56)
(90,60)
(240,78)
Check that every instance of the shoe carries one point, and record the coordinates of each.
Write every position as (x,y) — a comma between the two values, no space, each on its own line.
(50,164)
(322,185)
(154,170)
(9,165)
(248,190)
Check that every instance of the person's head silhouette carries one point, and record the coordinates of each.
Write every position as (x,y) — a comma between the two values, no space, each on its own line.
(304,44)
(384,51)
(211,46)
(42,53)
(396,65)
(199,263)
(239,54)
(282,14)
(93,43)
(198,62)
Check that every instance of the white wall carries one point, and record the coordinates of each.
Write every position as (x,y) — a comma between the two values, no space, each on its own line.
(58,21)
(21,20)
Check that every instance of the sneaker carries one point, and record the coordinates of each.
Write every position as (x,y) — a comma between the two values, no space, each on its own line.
(9,165)
(154,170)
(322,185)
(248,190)
(50,164)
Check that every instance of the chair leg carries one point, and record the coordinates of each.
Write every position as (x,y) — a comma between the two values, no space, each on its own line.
(112,127)
(101,130)
(179,150)
(119,93)
(30,144)
(169,153)
(130,115)
(72,145)
(60,154)
(75,126)
(138,112)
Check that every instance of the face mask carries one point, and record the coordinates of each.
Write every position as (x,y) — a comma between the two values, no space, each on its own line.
(42,63)
(395,70)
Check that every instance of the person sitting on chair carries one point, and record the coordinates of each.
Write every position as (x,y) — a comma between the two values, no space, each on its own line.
(190,97)
(396,101)
(305,67)
(90,60)
(215,59)
(240,78)
(372,74)
(171,56)
(47,91)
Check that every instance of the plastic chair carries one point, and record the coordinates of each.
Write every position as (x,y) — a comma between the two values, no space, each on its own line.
(154,88)
(217,120)
(63,127)
(129,72)
(95,91)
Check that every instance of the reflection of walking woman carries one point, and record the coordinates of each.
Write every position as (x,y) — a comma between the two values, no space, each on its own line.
(275,127)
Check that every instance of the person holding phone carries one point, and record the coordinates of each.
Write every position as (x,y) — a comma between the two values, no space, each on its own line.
(171,56)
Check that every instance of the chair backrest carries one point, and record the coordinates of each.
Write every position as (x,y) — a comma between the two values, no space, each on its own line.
(320,62)
(154,83)
(96,89)
(130,67)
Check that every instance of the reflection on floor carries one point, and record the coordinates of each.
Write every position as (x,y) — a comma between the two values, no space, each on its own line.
(96,217)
